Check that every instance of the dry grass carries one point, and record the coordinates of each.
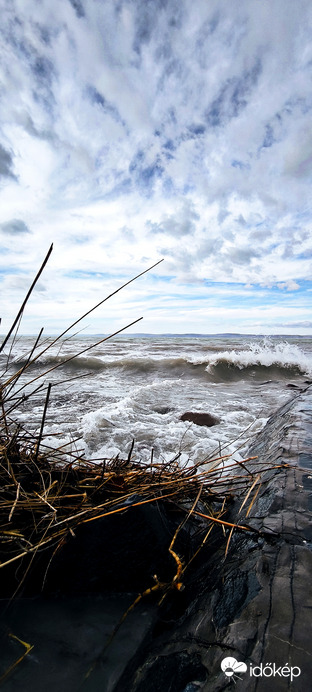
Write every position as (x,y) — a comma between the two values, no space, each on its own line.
(42,500)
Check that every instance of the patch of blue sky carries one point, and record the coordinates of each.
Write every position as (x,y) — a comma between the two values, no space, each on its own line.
(233,97)
(143,175)
(168,186)
(269,138)
(238,300)
(11,270)
(304,285)
(255,291)
(80,240)
(43,67)
(157,278)
(169,144)
(197,129)
(296,293)
(240,164)
(124,187)
(98,99)
(303,104)
(306,254)
(168,156)
(219,296)
(285,286)
(136,160)
(148,174)
(78,7)
(149,297)
(228,285)
(82,274)
(303,214)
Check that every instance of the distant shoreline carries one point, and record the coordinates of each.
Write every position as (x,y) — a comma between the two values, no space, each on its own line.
(174,335)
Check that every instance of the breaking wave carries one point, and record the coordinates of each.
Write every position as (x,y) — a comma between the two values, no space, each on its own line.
(257,359)
(262,358)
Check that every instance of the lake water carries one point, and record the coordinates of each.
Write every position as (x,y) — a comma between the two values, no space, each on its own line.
(137,387)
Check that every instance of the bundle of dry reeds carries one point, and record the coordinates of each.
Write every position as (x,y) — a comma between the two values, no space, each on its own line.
(42,501)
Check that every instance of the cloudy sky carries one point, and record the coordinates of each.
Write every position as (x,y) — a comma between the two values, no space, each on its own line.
(136,130)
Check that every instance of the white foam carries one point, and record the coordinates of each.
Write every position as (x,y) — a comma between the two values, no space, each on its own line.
(110,429)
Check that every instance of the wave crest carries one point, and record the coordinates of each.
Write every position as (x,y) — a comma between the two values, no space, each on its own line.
(265,355)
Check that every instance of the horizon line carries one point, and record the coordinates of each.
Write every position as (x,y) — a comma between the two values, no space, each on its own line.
(170,334)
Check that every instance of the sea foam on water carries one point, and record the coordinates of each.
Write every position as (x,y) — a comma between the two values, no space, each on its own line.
(137,388)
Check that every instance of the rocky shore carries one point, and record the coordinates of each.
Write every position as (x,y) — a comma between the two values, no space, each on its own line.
(251,607)
(258,611)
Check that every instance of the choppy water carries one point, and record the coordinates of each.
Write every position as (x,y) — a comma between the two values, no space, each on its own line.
(136,388)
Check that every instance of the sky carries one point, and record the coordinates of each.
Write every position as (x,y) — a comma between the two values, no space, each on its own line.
(138,130)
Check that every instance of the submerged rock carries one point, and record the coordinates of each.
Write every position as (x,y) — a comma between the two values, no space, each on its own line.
(200,418)
(162,410)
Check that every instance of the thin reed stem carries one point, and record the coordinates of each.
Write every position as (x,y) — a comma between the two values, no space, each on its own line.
(21,310)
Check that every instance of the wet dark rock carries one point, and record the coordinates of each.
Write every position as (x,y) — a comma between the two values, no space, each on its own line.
(177,672)
(234,595)
(69,636)
(200,418)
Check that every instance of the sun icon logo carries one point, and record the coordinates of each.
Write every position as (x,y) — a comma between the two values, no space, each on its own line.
(231,667)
